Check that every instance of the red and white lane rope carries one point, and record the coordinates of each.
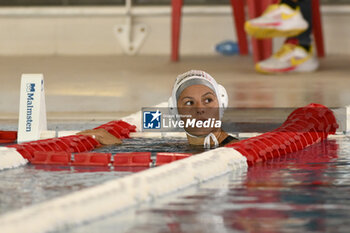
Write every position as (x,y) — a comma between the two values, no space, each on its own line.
(60,149)
(303,127)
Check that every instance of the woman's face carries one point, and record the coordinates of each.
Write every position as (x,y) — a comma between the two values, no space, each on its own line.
(200,103)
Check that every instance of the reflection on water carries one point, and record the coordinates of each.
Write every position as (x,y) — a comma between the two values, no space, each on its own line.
(301,192)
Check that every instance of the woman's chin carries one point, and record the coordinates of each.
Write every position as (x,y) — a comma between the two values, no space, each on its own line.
(199,132)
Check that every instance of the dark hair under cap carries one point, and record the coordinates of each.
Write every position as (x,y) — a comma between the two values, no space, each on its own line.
(191,82)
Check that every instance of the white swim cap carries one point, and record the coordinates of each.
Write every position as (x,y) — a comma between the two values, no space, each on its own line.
(195,77)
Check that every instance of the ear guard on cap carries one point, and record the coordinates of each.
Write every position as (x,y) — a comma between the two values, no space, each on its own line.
(223,99)
(222,96)
(172,108)
(171,104)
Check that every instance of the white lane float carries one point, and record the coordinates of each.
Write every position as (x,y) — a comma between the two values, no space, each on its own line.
(10,158)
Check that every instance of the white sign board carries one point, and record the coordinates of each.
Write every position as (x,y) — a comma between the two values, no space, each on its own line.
(32,109)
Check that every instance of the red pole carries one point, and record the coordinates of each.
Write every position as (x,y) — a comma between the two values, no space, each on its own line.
(239,19)
(317,28)
(175,28)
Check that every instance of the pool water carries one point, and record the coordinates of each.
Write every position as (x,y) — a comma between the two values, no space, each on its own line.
(153,145)
(306,191)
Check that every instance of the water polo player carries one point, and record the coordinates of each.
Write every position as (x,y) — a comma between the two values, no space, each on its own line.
(198,98)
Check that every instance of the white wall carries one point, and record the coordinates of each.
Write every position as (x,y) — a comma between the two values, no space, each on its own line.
(53,31)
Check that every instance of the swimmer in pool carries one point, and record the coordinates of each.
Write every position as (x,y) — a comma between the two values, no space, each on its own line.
(196,95)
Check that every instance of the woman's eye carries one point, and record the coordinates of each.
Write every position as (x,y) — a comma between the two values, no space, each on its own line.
(208,100)
(189,103)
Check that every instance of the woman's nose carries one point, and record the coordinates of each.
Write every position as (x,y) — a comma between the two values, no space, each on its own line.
(199,108)
(200,111)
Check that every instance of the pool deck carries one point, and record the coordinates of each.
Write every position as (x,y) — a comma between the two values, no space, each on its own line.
(109,87)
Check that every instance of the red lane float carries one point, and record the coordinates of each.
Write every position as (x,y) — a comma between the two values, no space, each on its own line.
(7,136)
(165,157)
(129,159)
(92,159)
(65,158)
(52,158)
(303,127)
(73,143)
(69,144)
(132,159)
